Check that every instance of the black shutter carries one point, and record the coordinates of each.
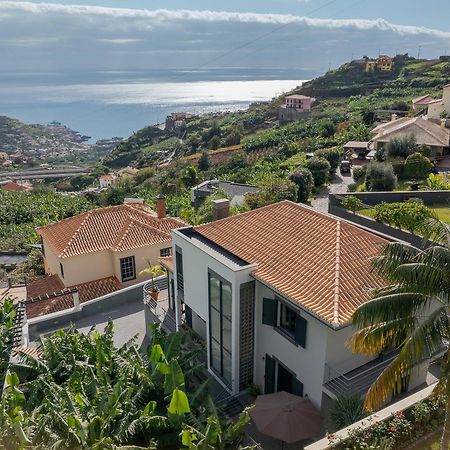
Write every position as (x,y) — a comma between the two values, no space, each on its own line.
(297,387)
(300,331)
(269,311)
(188,315)
(269,378)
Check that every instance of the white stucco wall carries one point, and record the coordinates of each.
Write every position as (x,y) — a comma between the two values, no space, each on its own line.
(339,356)
(307,363)
(196,263)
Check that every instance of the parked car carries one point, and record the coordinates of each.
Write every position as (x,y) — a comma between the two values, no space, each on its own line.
(345,166)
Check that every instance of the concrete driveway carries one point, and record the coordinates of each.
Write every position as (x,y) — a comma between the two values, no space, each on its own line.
(339,185)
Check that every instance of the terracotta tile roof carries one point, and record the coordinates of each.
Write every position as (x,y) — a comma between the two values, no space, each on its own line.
(12,187)
(424,131)
(45,285)
(167,262)
(34,352)
(48,295)
(116,228)
(315,259)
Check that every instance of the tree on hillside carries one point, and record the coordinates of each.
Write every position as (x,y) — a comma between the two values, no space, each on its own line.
(417,166)
(204,162)
(332,155)
(410,314)
(304,181)
(189,176)
(380,177)
(320,169)
(233,138)
(278,189)
(214,143)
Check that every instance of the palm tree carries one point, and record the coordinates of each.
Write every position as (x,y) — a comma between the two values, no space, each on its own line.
(410,315)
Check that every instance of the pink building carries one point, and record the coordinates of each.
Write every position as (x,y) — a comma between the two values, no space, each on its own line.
(300,102)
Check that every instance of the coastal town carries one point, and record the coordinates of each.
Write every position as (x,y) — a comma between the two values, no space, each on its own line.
(273,277)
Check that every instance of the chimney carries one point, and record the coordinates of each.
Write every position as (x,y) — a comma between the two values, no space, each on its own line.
(393,117)
(443,122)
(160,206)
(76,300)
(220,208)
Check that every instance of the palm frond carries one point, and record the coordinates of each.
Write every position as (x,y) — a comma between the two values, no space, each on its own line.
(427,334)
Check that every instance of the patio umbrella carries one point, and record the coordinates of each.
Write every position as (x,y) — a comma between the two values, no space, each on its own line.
(286,417)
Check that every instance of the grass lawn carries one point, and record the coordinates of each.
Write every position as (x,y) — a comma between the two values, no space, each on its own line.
(442,211)
(432,443)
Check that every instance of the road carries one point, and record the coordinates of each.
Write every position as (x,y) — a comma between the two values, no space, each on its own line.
(338,185)
(33,174)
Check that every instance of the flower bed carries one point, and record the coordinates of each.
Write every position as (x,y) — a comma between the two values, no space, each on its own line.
(401,430)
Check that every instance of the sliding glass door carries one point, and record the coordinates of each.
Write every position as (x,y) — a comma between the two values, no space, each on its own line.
(220,326)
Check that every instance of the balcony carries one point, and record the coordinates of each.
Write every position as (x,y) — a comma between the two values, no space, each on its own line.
(355,381)
(159,309)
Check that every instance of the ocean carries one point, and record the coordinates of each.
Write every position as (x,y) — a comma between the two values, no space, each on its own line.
(117,103)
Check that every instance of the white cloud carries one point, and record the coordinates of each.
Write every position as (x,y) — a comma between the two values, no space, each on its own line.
(161,16)
(47,36)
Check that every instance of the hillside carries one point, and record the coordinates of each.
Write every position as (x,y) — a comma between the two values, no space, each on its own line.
(341,94)
(52,143)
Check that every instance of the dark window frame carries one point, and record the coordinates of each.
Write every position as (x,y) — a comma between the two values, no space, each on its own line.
(124,261)
(165,252)
(221,371)
(272,315)
(179,268)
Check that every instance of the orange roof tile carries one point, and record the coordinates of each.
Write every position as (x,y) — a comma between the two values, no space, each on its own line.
(12,187)
(116,228)
(167,262)
(47,295)
(315,259)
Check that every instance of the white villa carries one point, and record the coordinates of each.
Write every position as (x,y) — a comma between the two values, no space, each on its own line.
(271,292)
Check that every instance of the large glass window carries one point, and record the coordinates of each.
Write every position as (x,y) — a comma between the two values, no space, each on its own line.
(220,331)
(127,268)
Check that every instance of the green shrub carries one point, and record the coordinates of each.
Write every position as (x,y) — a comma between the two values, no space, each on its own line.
(352,203)
(402,147)
(409,216)
(346,410)
(380,177)
(359,173)
(304,181)
(332,155)
(417,166)
(320,169)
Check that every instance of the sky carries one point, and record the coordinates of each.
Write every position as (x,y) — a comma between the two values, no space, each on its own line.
(308,35)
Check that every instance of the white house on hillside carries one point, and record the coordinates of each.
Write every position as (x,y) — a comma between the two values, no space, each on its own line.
(271,292)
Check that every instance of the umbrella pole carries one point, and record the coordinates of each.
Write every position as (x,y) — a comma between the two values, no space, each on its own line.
(282,445)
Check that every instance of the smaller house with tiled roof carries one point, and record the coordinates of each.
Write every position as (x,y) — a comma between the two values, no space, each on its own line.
(272,291)
(425,132)
(107,180)
(102,250)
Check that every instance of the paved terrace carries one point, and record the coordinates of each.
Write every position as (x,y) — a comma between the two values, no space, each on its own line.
(125,308)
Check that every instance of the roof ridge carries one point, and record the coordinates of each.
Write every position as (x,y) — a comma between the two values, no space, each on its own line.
(77,232)
(127,227)
(300,206)
(337,274)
